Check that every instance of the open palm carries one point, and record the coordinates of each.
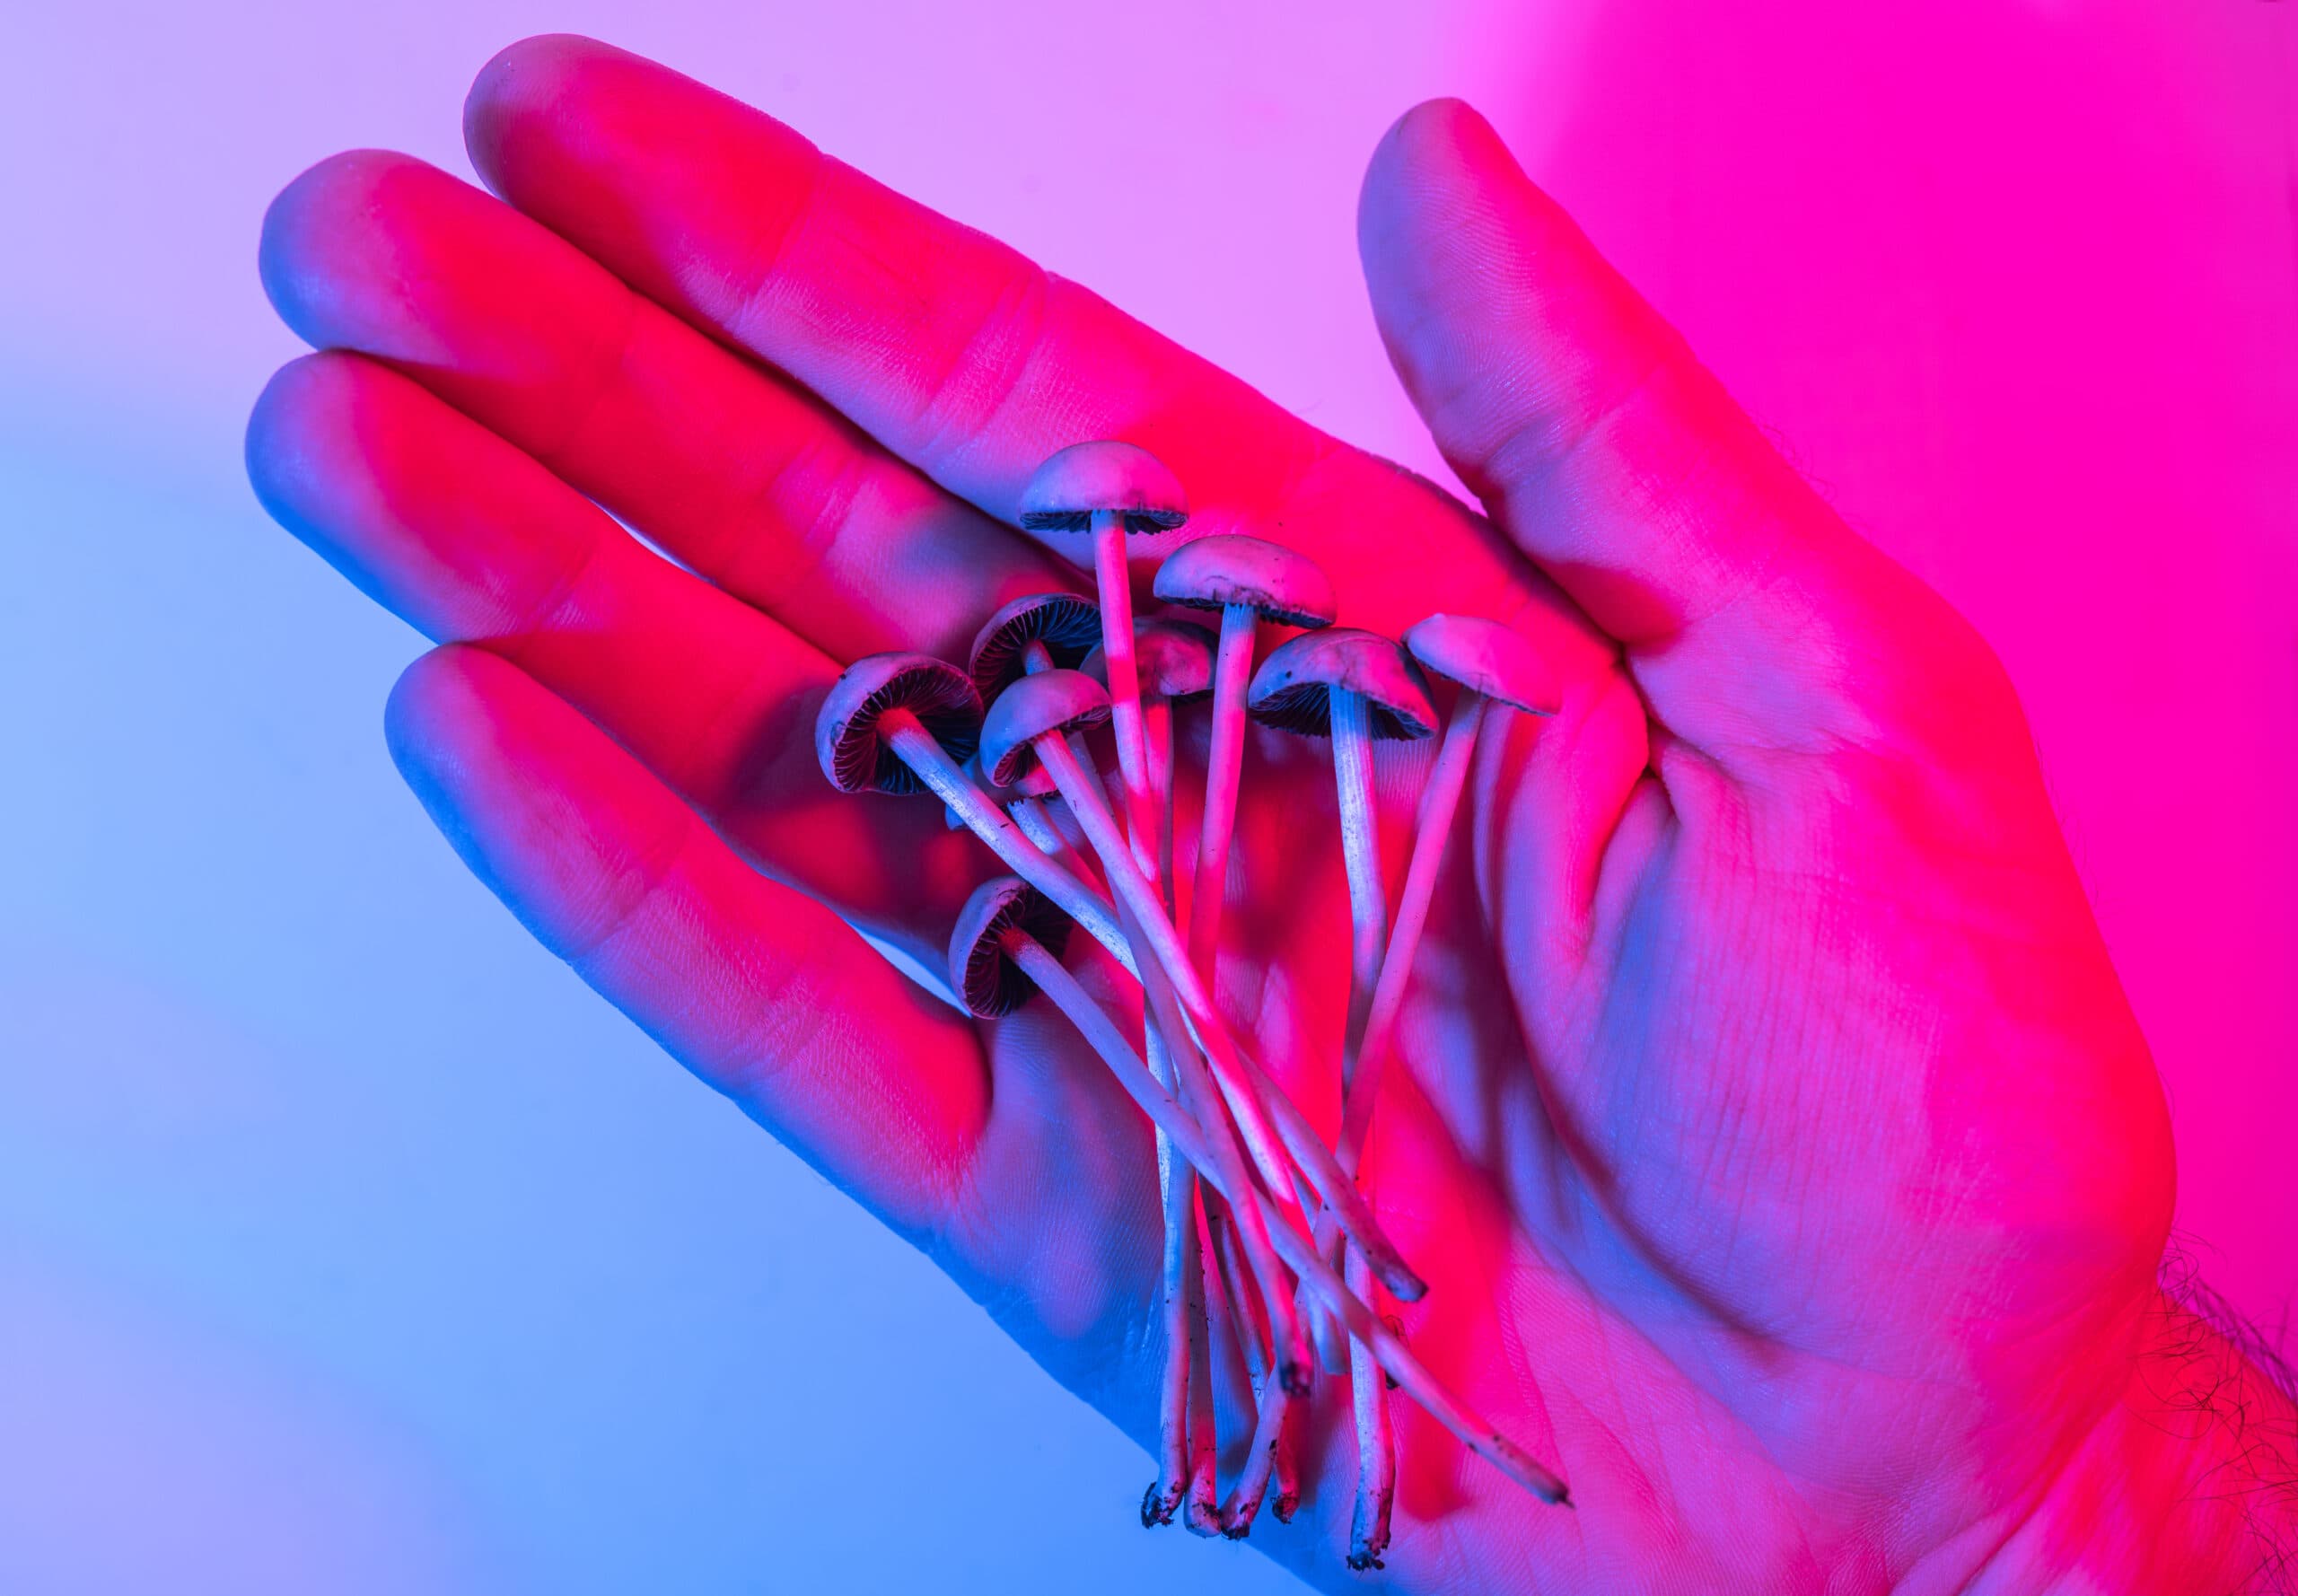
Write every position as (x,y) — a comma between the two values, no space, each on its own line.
(1785,1162)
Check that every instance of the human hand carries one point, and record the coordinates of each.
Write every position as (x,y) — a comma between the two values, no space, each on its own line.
(1784,1160)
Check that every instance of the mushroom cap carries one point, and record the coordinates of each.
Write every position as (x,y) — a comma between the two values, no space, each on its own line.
(1225,568)
(982,973)
(1065,492)
(1174,658)
(1292,688)
(1051,701)
(854,758)
(1034,782)
(1488,658)
(1067,625)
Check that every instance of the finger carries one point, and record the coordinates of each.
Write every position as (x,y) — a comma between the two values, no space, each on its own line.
(1754,617)
(958,354)
(762,992)
(737,473)
(470,540)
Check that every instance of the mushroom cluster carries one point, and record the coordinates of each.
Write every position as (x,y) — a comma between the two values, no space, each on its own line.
(1265,1231)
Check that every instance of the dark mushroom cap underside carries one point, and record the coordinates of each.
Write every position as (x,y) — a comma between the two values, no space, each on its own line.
(1068,625)
(846,739)
(1293,690)
(982,971)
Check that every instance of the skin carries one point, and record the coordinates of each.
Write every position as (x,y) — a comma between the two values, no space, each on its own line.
(1784,1158)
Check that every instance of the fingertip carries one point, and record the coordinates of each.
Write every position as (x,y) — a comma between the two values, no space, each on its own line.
(1440,150)
(426,721)
(534,800)
(309,414)
(440,693)
(518,80)
(325,257)
(302,405)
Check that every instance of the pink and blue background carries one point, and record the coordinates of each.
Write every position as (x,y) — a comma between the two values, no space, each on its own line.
(349,1244)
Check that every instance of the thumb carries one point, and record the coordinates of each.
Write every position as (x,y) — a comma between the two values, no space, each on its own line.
(1751,615)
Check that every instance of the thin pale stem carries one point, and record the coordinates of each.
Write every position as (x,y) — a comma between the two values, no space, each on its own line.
(1245,1497)
(1360,851)
(1030,814)
(1183,1308)
(1157,732)
(1175,1188)
(1368,926)
(1439,800)
(917,749)
(1144,910)
(1114,580)
(1233,671)
(1376,1455)
(1201,1511)
(1270,1399)
(1217,1160)
(1200,1137)
(1252,1342)
(1288,1461)
(1274,1130)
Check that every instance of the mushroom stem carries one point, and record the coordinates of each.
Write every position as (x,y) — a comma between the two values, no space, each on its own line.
(1368,917)
(1157,735)
(1288,1462)
(1252,1338)
(1208,1128)
(1270,1401)
(1181,1414)
(1376,1456)
(1245,1497)
(1114,580)
(1143,910)
(917,747)
(1212,1108)
(1439,800)
(1233,671)
(1256,1101)
(1176,1189)
(1037,826)
(1201,1509)
(1216,1157)
(1360,848)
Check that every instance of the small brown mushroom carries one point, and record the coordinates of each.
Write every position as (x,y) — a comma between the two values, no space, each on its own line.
(1035,632)
(1248,579)
(1052,703)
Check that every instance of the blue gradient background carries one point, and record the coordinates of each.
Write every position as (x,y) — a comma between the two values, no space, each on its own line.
(347,1243)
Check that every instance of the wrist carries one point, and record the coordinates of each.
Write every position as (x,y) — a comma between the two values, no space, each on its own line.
(2187,1484)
